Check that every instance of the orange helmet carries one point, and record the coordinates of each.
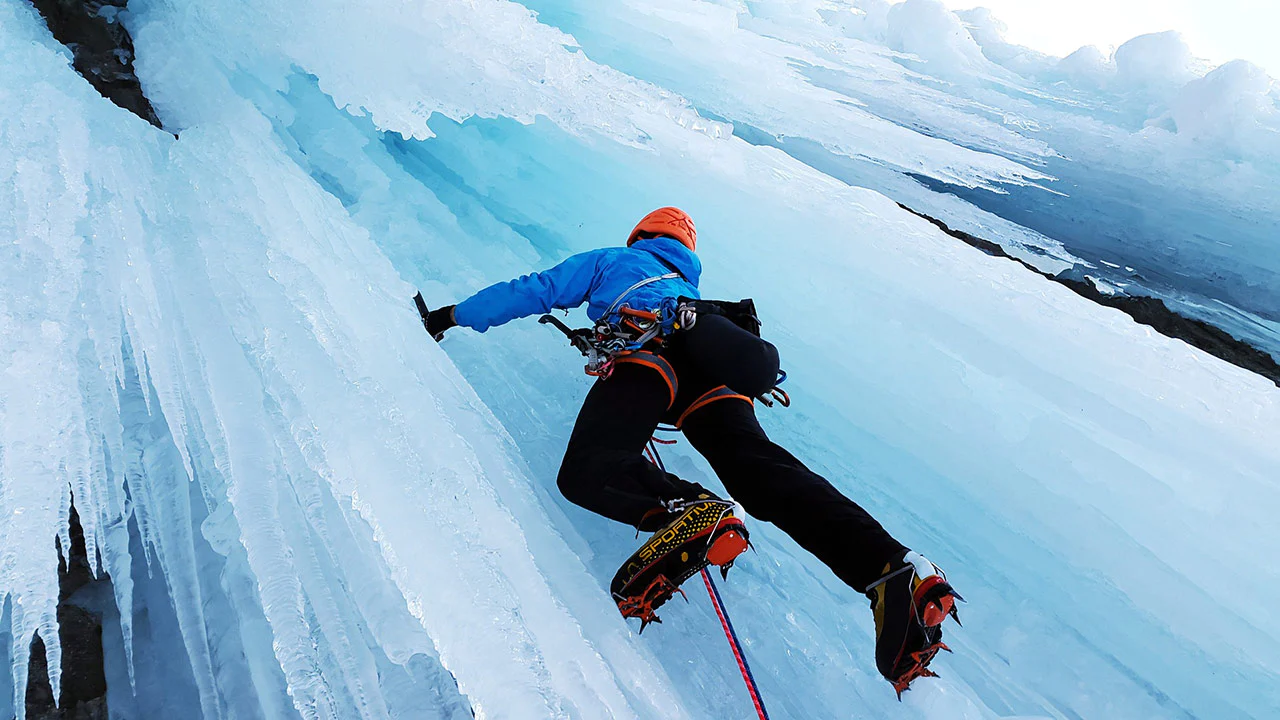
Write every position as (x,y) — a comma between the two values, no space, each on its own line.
(670,222)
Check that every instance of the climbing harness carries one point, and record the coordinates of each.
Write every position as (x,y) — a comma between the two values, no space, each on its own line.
(609,342)
(611,339)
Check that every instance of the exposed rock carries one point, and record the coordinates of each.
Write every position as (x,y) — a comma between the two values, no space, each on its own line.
(1152,312)
(101,48)
(84,684)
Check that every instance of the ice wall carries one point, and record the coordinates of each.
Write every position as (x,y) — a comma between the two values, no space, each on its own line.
(1188,206)
(361,507)
(1023,462)
(350,521)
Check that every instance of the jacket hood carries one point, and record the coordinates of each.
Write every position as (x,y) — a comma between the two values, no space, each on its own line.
(675,254)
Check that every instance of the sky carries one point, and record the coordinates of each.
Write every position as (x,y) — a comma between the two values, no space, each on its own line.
(1218,30)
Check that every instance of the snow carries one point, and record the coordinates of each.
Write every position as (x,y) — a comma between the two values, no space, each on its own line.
(927,30)
(307,508)
(1104,147)
(1155,61)
(1230,104)
(1086,67)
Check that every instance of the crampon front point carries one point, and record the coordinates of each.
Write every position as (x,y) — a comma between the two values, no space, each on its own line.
(934,600)
(704,533)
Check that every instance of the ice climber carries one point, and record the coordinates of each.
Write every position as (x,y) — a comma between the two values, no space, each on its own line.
(662,355)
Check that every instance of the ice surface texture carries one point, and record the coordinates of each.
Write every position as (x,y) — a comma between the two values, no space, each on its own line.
(310,509)
(1152,167)
(274,339)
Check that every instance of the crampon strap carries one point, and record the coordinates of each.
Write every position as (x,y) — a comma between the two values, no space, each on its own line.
(609,341)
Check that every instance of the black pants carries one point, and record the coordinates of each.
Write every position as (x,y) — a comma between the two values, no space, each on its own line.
(605,471)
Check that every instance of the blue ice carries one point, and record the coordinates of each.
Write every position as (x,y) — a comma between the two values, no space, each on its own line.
(309,509)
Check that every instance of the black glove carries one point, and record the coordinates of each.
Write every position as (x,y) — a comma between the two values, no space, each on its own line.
(439,320)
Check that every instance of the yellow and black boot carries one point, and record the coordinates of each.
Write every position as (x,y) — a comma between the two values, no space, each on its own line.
(700,532)
(910,602)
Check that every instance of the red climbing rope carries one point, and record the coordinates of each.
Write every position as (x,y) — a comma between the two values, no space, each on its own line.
(651,451)
(732,637)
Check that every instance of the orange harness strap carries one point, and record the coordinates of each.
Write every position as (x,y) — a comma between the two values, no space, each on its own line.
(710,396)
(657,362)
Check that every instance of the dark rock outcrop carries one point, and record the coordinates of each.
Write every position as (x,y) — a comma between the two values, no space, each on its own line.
(1149,311)
(101,48)
(84,684)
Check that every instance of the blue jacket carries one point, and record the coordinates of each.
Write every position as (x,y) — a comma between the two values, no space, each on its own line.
(596,277)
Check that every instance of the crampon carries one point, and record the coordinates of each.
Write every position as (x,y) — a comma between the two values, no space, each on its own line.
(919,668)
(910,602)
(934,600)
(704,533)
(645,604)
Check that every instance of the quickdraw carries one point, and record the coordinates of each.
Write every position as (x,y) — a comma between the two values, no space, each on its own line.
(605,343)
(609,340)
(776,396)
